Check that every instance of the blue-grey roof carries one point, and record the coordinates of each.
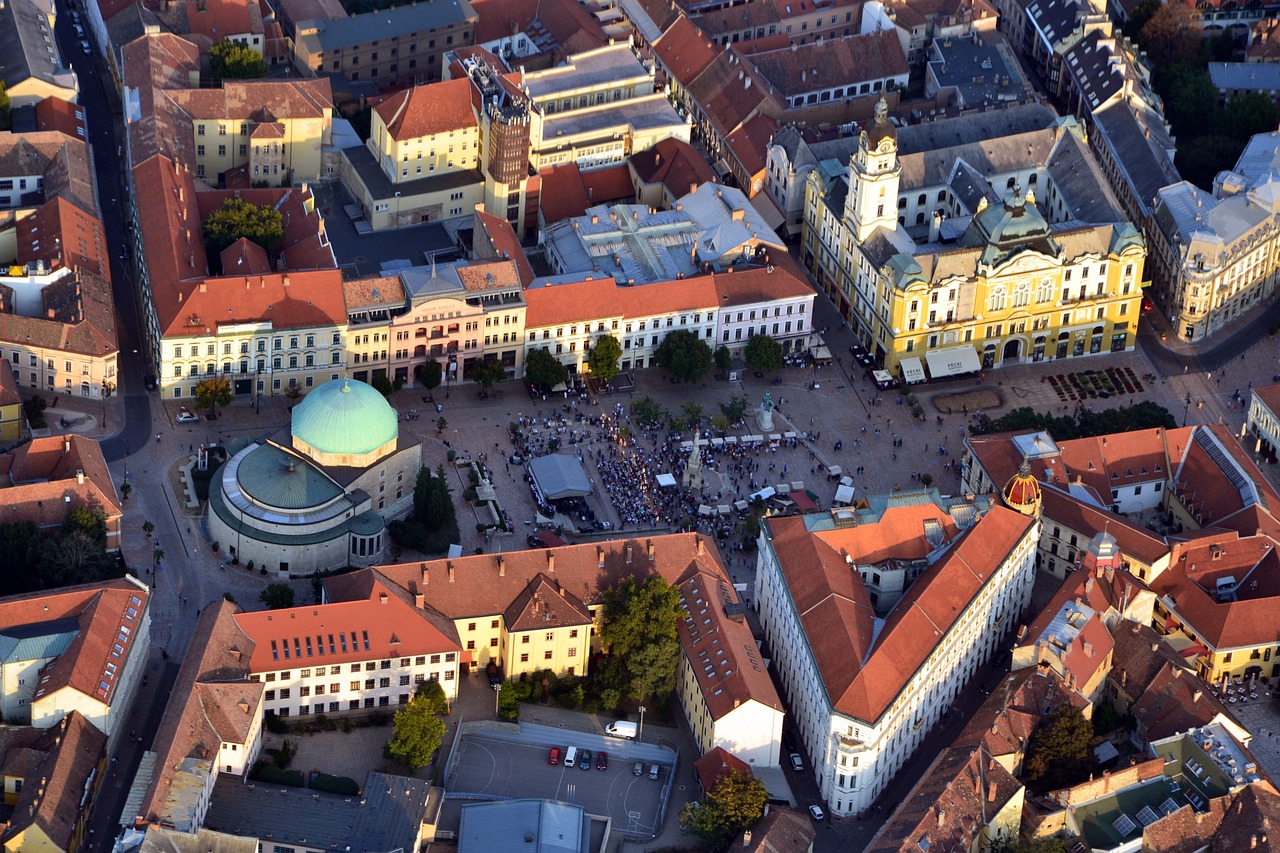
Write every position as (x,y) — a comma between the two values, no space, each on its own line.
(1054,20)
(1096,68)
(39,641)
(323,35)
(560,476)
(584,71)
(978,69)
(345,417)
(554,827)
(277,478)
(643,113)
(1140,146)
(1245,76)
(387,816)
(27,48)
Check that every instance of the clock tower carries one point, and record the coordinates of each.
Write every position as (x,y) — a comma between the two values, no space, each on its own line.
(872,201)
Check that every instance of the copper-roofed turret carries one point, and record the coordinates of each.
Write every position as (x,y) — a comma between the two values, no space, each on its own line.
(1022,492)
(880,126)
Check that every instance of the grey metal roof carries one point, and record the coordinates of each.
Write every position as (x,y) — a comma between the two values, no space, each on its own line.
(27,47)
(961,130)
(388,815)
(554,827)
(323,35)
(647,112)
(1247,76)
(380,186)
(594,68)
(1097,69)
(560,476)
(978,69)
(1140,146)
(1055,20)
(39,641)
(277,478)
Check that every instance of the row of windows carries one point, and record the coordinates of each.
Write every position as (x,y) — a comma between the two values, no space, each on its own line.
(306,341)
(367,666)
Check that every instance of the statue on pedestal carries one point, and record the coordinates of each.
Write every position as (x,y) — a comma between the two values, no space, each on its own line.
(765,418)
(693,470)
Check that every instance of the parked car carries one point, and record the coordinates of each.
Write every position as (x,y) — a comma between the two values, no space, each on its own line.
(602,761)
(584,759)
(817,813)
(553,755)
(654,770)
(188,418)
(638,769)
(84,47)
(797,763)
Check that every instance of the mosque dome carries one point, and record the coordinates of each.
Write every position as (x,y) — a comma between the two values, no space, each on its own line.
(344,423)
(1022,492)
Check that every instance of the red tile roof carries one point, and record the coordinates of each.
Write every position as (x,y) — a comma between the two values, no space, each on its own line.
(554,304)
(564,195)
(219,19)
(1175,701)
(833,62)
(720,647)
(39,482)
(257,100)
(780,831)
(380,625)
(1244,820)
(493,237)
(837,615)
(212,702)
(716,763)
(608,185)
(674,163)
(684,50)
(749,143)
(100,611)
(245,257)
(53,797)
(62,234)
(62,116)
(427,110)
(503,18)
(729,101)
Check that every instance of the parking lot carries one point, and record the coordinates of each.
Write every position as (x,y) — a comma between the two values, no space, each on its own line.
(490,764)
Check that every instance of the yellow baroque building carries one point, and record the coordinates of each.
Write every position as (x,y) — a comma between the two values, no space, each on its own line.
(983,277)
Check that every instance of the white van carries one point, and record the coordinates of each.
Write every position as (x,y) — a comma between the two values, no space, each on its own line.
(622,728)
(570,756)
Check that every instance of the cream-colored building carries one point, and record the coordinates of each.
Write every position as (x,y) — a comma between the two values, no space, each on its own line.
(275,130)
(866,679)
(1024,260)
(1264,422)
(1216,255)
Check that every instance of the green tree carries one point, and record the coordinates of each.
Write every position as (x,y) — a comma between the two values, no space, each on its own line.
(1171,35)
(763,353)
(487,372)
(430,374)
(432,694)
(418,733)
(639,630)
(277,596)
(74,557)
(89,520)
(237,61)
(212,392)
(4,107)
(383,385)
(236,218)
(734,410)
(649,411)
(1249,114)
(693,413)
(736,802)
(542,367)
(603,360)
(684,355)
(723,358)
(1060,754)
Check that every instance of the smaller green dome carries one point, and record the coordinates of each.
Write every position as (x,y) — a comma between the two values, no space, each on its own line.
(342,417)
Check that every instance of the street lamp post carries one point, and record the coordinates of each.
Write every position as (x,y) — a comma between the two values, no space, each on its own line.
(257,389)
(108,388)
(640,733)
(1186,409)
(497,698)
(449,368)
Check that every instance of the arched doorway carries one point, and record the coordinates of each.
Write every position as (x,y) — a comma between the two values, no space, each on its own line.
(1012,351)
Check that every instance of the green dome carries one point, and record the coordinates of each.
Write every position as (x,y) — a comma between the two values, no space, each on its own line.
(344,418)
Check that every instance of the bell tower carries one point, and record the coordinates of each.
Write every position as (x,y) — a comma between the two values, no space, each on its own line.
(874,171)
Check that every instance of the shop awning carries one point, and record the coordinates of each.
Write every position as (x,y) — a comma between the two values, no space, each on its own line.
(952,361)
(912,370)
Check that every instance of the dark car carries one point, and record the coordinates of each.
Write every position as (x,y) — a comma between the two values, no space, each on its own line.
(602,761)
(584,759)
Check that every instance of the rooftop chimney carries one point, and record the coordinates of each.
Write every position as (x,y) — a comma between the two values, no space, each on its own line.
(629,553)
(450,564)
(702,548)
(551,561)
(425,579)
(651,549)
(80,477)
(502,567)
(419,601)
(382,598)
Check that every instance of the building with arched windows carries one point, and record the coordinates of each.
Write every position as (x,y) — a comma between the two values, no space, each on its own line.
(973,256)
(317,495)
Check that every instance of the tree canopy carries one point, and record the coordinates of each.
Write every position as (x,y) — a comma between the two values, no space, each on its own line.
(4,107)
(433,525)
(418,733)
(1084,424)
(1059,754)
(432,694)
(684,355)
(639,630)
(734,410)
(277,596)
(604,356)
(76,554)
(430,374)
(722,357)
(736,802)
(763,353)
(213,392)
(487,372)
(649,411)
(236,218)
(231,59)
(542,367)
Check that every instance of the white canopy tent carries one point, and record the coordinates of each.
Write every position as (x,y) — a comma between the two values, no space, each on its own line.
(952,361)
